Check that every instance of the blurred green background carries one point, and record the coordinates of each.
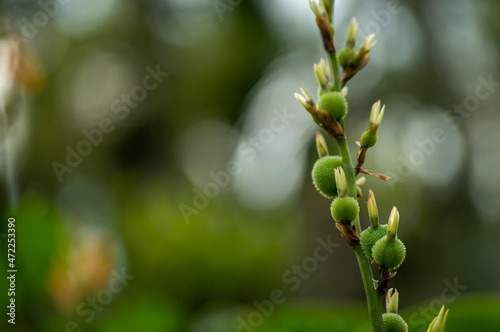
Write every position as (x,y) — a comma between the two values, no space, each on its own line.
(191,208)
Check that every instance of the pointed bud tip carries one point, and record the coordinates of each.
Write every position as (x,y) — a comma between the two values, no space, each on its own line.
(438,324)
(341,181)
(314,7)
(370,194)
(307,96)
(299,97)
(393,223)
(321,145)
(392,301)
(372,209)
(345,91)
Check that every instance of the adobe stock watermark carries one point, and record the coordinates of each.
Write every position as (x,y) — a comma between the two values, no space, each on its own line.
(426,314)
(292,279)
(29,27)
(382,18)
(122,106)
(248,150)
(223,6)
(91,306)
(455,117)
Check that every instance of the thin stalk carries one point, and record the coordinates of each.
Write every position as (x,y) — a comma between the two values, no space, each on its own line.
(330,12)
(335,71)
(373,298)
(333,57)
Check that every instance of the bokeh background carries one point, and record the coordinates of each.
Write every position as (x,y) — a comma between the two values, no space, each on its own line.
(193,207)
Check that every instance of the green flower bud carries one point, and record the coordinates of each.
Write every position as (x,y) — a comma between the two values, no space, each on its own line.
(370,236)
(393,224)
(306,101)
(345,91)
(392,301)
(320,91)
(394,323)
(335,103)
(321,145)
(315,8)
(344,209)
(360,181)
(368,139)
(341,181)
(352,33)
(438,324)
(321,77)
(323,175)
(359,192)
(372,209)
(345,56)
(366,46)
(389,254)
(376,116)
(324,68)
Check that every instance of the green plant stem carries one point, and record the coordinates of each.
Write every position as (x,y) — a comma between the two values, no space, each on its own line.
(330,12)
(373,298)
(333,57)
(335,71)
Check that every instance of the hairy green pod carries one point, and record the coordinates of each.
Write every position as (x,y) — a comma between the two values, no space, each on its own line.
(368,139)
(394,323)
(389,254)
(323,175)
(335,103)
(345,56)
(344,208)
(370,236)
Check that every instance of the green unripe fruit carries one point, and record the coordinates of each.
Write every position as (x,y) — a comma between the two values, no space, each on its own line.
(345,208)
(335,103)
(368,139)
(389,254)
(370,236)
(345,56)
(323,175)
(394,323)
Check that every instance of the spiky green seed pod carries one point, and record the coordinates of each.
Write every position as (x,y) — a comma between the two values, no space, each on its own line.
(345,209)
(345,56)
(389,254)
(370,236)
(368,139)
(323,175)
(394,323)
(335,103)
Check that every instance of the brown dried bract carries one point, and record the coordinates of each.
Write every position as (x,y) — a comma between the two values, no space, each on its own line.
(326,34)
(351,70)
(330,125)
(349,233)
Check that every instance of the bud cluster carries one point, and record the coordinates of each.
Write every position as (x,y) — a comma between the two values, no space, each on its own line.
(350,59)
